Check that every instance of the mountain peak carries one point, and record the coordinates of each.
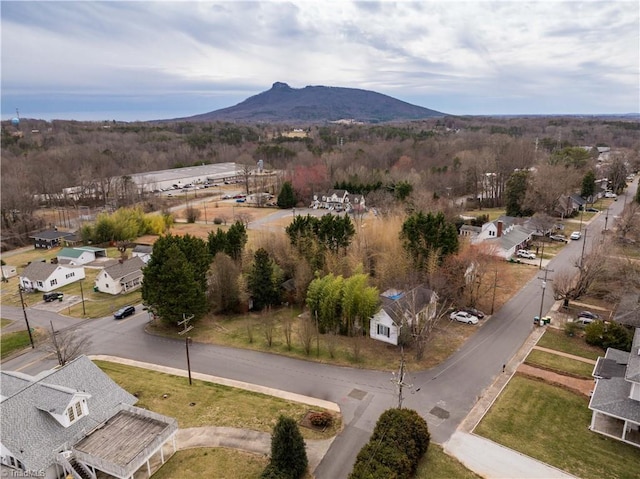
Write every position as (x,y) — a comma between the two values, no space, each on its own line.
(314,104)
(280,86)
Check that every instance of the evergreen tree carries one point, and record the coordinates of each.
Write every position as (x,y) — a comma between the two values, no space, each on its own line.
(287,197)
(170,285)
(263,282)
(236,240)
(217,242)
(515,192)
(588,185)
(421,234)
(288,454)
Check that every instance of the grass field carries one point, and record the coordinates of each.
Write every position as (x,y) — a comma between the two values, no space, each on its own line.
(436,464)
(559,364)
(18,340)
(208,404)
(551,424)
(555,339)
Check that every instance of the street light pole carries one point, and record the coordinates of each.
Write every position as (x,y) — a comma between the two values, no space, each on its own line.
(544,287)
(187,341)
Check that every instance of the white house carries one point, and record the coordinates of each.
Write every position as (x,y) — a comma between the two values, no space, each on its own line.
(400,308)
(80,255)
(615,401)
(75,421)
(9,271)
(40,276)
(122,277)
(143,252)
(338,200)
(503,236)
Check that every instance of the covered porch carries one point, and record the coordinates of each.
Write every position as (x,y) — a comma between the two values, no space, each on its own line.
(133,444)
(616,428)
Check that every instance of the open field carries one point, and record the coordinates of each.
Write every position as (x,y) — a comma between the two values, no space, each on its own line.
(551,425)
(18,340)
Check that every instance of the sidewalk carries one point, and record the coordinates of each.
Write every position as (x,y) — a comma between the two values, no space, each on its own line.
(487,458)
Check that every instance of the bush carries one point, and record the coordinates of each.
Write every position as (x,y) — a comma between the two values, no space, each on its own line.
(571,329)
(608,335)
(400,439)
(321,419)
(192,214)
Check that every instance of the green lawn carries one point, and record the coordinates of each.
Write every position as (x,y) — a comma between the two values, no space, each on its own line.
(5,322)
(551,424)
(208,404)
(559,363)
(436,464)
(494,213)
(12,342)
(218,463)
(555,339)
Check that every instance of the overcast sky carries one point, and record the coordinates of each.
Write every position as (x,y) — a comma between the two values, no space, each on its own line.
(152,60)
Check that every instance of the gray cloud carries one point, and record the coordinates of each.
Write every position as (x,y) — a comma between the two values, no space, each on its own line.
(496,55)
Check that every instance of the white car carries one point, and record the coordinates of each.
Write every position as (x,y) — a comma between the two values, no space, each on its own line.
(610,194)
(576,235)
(464,317)
(523,253)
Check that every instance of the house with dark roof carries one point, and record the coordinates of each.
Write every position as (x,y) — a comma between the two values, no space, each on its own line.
(50,238)
(76,422)
(503,236)
(40,276)
(615,401)
(401,309)
(122,277)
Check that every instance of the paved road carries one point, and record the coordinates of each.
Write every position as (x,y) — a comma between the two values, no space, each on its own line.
(445,393)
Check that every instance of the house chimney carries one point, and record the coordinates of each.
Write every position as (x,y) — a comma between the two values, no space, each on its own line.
(499,229)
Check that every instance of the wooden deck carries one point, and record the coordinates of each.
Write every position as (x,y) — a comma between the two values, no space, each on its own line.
(122,438)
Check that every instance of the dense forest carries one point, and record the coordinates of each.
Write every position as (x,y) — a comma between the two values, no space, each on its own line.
(453,157)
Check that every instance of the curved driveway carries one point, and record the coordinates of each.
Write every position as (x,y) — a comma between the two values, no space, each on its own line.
(444,394)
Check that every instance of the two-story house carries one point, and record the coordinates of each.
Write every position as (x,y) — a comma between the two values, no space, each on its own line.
(76,422)
(616,398)
(338,200)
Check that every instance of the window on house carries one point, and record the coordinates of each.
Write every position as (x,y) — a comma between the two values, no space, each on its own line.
(54,282)
(78,409)
(492,233)
(384,330)
(40,283)
(71,413)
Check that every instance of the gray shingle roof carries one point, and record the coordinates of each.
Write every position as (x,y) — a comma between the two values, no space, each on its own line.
(143,248)
(120,270)
(618,369)
(411,302)
(33,435)
(51,235)
(633,367)
(38,271)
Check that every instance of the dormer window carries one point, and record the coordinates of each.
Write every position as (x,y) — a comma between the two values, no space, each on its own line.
(75,412)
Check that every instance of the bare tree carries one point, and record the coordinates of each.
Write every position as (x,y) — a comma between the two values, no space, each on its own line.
(269,328)
(569,286)
(306,332)
(629,221)
(67,345)
(287,329)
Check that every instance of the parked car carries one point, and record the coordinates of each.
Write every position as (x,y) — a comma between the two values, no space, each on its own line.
(124,312)
(583,321)
(48,297)
(610,194)
(558,238)
(464,317)
(576,235)
(240,200)
(588,314)
(523,253)
(474,312)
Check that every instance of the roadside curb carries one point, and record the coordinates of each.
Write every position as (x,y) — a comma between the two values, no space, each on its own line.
(331,406)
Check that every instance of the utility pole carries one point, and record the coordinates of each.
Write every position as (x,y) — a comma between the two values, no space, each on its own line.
(584,243)
(55,344)
(24,311)
(186,329)
(544,287)
(495,286)
(542,254)
(84,312)
(398,379)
